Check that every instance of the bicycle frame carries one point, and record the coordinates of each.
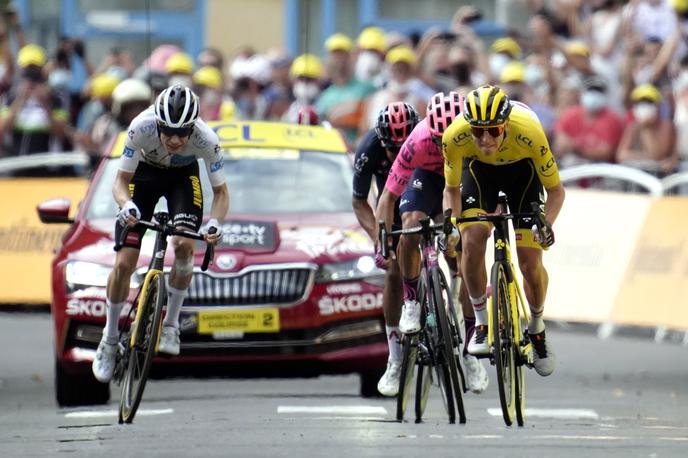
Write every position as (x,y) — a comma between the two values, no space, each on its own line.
(502,255)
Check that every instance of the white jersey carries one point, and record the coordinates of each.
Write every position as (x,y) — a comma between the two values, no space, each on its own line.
(143,144)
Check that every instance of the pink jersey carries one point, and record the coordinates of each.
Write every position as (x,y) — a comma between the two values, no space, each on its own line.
(418,152)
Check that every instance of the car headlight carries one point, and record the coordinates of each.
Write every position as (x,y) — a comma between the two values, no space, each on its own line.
(81,274)
(353,269)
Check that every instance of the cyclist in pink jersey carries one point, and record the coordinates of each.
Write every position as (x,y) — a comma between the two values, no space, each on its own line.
(417,176)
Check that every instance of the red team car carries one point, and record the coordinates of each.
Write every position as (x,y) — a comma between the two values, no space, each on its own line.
(293,289)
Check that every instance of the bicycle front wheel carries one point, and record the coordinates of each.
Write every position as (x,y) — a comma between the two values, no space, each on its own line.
(503,343)
(142,346)
(410,354)
(451,336)
(423,377)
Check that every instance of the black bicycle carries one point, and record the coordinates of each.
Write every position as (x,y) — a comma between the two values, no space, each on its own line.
(138,340)
(438,344)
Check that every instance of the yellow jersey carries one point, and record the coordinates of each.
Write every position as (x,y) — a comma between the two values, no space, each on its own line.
(524,139)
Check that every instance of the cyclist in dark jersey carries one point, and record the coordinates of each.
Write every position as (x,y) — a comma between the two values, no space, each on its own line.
(374,157)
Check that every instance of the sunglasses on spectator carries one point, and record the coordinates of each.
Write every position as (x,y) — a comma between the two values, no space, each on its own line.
(175,131)
(494,131)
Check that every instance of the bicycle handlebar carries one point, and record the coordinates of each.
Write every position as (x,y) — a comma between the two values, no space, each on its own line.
(537,215)
(167,229)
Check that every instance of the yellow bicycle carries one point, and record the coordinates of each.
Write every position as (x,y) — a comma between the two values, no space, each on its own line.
(507,336)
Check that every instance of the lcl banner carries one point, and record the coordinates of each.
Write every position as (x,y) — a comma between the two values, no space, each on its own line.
(26,244)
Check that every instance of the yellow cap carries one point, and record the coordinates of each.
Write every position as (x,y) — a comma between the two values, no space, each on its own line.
(208,76)
(401,54)
(179,62)
(339,42)
(372,38)
(513,72)
(306,65)
(102,85)
(577,48)
(507,45)
(31,55)
(227,110)
(646,92)
(680,5)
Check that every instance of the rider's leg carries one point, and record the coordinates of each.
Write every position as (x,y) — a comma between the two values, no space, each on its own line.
(118,289)
(409,255)
(391,304)
(179,279)
(474,240)
(535,281)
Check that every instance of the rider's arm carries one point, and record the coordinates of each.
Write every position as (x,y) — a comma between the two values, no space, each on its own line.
(554,202)
(220,205)
(451,198)
(363,175)
(385,208)
(453,161)
(120,188)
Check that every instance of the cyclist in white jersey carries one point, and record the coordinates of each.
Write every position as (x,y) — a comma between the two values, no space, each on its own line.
(160,158)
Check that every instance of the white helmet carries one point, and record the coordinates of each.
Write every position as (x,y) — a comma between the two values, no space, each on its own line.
(130,90)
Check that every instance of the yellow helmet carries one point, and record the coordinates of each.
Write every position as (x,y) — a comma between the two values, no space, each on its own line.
(646,92)
(401,53)
(103,85)
(372,38)
(339,42)
(306,65)
(31,54)
(208,76)
(179,62)
(486,106)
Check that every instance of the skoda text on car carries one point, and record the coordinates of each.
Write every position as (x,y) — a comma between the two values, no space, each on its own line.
(293,287)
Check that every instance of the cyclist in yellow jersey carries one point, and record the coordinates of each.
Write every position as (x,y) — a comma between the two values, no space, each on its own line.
(499,145)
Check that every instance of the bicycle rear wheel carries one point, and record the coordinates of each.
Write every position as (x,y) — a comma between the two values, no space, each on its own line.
(142,347)
(503,341)
(454,335)
(410,354)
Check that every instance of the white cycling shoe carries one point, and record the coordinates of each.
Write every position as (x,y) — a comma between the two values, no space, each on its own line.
(409,323)
(104,363)
(389,382)
(476,375)
(544,360)
(169,341)
(477,346)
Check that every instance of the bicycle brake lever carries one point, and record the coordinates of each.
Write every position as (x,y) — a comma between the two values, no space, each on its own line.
(447,227)
(382,231)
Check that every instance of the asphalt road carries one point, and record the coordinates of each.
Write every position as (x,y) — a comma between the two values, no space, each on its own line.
(619,397)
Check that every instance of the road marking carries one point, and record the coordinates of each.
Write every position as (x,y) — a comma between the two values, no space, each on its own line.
(565,414)
(595,438)
(678,439)
(343,410)
(482,436)
(665,427)
(115,413)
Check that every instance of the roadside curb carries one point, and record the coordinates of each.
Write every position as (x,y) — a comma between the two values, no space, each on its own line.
(658,334)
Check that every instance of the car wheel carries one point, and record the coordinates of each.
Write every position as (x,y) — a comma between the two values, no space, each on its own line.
(79,389)
(369,384)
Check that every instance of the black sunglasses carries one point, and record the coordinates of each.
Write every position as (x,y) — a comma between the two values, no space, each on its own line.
(175,131)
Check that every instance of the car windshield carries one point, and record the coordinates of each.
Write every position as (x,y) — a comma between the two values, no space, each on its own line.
(262,181)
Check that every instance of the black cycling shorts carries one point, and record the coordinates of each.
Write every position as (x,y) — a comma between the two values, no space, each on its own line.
(481,183)
(181,186)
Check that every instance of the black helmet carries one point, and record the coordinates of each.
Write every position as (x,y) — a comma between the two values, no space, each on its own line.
(176,106)
(395,123)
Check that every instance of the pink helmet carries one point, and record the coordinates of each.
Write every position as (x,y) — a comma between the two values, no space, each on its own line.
(442,110)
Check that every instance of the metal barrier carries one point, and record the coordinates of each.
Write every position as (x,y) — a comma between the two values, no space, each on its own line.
(9,165)
(653,185)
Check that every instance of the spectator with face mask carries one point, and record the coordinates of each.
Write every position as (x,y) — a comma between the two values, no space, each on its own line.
(251,77)
(209,85)
(305,73)
(179,68)
(341,104)
(402,86)
(591,131)
(32,115)
(649,140)
(502,52)
(369,66)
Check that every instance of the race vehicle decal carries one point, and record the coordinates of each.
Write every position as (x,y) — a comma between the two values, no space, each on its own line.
(249,234)
(91,307)
(348,304)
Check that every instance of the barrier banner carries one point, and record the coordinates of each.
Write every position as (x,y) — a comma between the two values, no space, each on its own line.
(26,244)
(596,233)
(653,291)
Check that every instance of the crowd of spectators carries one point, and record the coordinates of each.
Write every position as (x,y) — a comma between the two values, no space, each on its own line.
(607,78)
